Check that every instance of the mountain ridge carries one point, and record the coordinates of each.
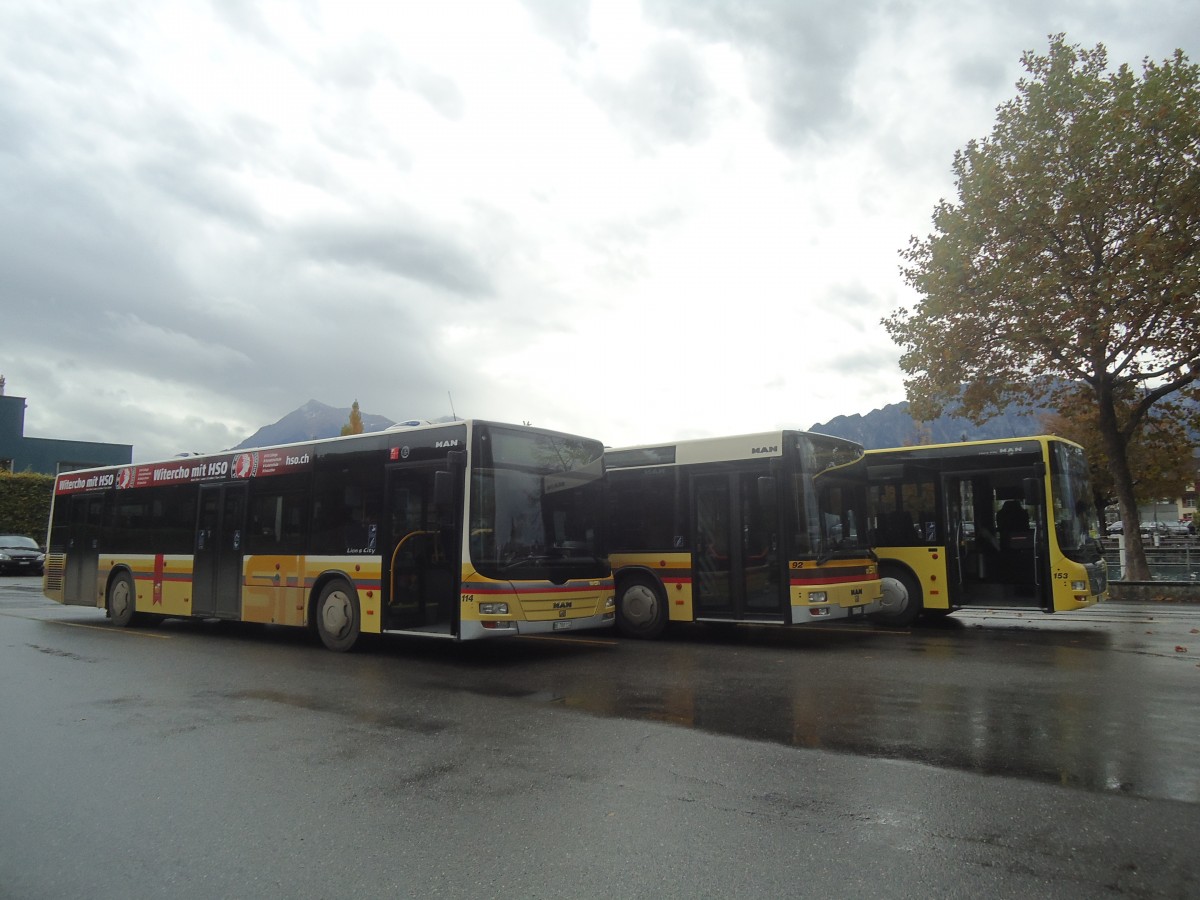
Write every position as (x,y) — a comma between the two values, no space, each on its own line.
(893,426)
(311,422)
(887,426)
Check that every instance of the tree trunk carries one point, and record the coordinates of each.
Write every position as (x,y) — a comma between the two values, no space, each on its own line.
(1115,446)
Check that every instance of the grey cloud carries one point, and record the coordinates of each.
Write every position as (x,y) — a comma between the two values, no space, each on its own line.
(203,190)
(66,247)
(369,60)
(84,39)
(566,21)
(802,55)
(669,99)
(415,253)
(244,18)
(18,131)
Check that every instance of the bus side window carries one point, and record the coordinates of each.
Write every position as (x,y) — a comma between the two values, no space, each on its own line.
(277,517)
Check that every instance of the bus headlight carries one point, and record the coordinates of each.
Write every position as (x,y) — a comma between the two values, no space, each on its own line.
(818,597)
(610,603)
(494,609)
(1079,586)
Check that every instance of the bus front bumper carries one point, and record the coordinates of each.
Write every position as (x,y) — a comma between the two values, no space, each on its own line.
(830,612)
(472,629)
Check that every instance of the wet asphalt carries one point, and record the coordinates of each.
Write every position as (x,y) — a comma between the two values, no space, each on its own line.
(1004,753)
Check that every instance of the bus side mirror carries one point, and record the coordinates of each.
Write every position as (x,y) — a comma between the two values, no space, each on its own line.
(1033,491)
(443,489)
(766,489)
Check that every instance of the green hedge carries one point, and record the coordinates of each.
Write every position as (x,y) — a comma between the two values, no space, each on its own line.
(25,504)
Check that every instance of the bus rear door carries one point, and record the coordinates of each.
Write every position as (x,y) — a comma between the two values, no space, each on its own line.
(217,567)
(86,520)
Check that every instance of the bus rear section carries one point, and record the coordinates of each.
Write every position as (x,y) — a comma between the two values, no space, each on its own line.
(762,529)
(985,524)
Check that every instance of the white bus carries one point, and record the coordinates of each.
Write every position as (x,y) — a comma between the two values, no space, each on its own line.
(756,528)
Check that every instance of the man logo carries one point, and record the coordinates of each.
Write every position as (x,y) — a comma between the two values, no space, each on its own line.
(772,449)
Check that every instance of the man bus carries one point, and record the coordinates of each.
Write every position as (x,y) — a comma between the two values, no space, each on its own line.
(758,528)
(985,524)
(460,530)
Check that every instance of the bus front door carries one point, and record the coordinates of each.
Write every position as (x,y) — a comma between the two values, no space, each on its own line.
(994,540)
(86,518)
(734,575)
(421,569)
(217,566)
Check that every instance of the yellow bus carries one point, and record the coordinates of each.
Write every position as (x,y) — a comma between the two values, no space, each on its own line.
(985,524)
(461,530)
(757,528)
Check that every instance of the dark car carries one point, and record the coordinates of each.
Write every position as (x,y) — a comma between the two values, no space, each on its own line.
(20,554)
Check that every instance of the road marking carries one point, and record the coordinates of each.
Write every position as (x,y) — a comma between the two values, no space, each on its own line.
(566,640)
(110,629)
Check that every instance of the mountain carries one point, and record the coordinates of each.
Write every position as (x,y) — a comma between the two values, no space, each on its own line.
(312,421)
(892,426)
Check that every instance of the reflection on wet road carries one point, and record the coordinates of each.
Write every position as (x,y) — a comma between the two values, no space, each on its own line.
(1103,699)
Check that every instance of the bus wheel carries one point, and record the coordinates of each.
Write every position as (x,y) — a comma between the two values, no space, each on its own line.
(337,616)
(641,608)
(122,605)
(901,603)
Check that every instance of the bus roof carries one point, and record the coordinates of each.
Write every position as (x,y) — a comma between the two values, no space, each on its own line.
(271,459)
(760,445)
(992,446)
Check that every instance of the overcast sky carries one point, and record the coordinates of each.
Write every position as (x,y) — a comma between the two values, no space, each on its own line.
(632,220)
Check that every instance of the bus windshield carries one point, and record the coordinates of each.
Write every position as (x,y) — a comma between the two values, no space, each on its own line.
(536,506)
(1076,521)
(829,497)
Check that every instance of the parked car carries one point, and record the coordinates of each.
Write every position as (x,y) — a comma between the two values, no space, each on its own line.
(1177,529)
(21,554)
(1115,528)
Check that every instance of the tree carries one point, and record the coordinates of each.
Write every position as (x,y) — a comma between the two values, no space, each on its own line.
(355,425)
(25,503)
(1068,270)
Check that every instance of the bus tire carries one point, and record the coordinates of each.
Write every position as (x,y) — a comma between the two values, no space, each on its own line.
(338,616)
(122,600)
(641,608)
(902,602)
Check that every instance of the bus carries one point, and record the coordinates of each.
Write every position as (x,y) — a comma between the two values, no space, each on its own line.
(461,530)
(985,524)
(760,528)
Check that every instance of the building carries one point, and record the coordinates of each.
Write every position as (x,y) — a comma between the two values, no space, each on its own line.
(47,455)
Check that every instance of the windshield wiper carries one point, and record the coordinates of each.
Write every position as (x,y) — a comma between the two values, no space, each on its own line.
(531,558)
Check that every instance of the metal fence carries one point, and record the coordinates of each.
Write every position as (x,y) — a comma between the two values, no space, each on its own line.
(1172,560)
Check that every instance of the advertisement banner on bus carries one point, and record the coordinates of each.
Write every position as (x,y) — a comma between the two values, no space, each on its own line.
(248,464)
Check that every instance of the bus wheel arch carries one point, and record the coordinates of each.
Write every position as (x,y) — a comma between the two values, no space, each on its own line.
(335,614)
(641,605)
(902,599)
(120,598)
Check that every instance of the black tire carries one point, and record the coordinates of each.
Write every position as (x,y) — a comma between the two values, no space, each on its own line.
(122,600)
(902,601)
(338,616)
(641,607)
